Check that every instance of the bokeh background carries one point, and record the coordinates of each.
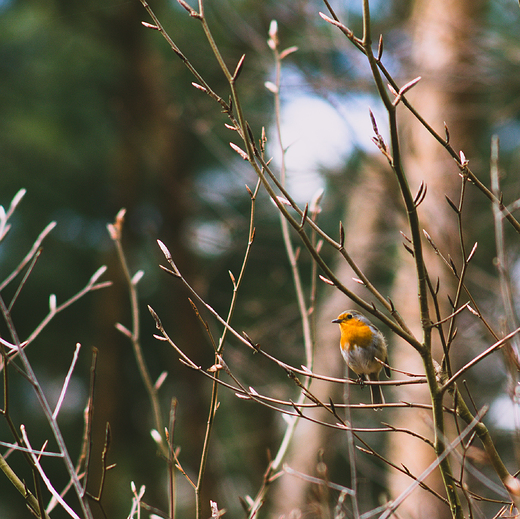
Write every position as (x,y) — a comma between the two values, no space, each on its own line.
(98,114)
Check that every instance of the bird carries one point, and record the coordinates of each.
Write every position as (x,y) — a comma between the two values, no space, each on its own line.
(360,344)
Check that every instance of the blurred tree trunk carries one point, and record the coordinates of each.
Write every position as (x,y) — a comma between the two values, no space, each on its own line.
(443,43)
(443,53)
(366,238)
(151,176)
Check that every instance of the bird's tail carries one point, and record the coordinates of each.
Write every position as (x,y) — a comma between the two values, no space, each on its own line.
(376,393)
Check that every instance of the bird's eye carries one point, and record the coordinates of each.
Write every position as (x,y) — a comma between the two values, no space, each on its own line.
(349,316)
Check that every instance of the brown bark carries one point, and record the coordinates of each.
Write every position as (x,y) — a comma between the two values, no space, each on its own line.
(443,54)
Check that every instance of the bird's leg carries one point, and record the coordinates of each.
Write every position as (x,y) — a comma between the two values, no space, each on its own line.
(361,381)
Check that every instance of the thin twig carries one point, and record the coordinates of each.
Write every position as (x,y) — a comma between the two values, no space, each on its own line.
(55,310)
(45,478)
(253,155)
(443,141)
(478,358)
(290,428)
(47,411)
(391,507)
(31,501)
(116,233)
(66,382)
(29,256)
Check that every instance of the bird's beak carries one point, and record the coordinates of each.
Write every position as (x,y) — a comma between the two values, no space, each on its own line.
(336,321)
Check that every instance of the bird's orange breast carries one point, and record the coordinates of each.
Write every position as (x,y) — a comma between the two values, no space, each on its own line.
(355,333)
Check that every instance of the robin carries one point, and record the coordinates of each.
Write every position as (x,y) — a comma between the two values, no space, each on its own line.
(361,343)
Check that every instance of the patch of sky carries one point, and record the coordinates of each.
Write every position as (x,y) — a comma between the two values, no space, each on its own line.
(320,134)
(378,9)
(75,397)
(508,132)
(504,413)
(208,238)
(218,184)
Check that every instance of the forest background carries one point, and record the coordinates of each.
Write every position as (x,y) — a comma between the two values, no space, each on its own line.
(99,114)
